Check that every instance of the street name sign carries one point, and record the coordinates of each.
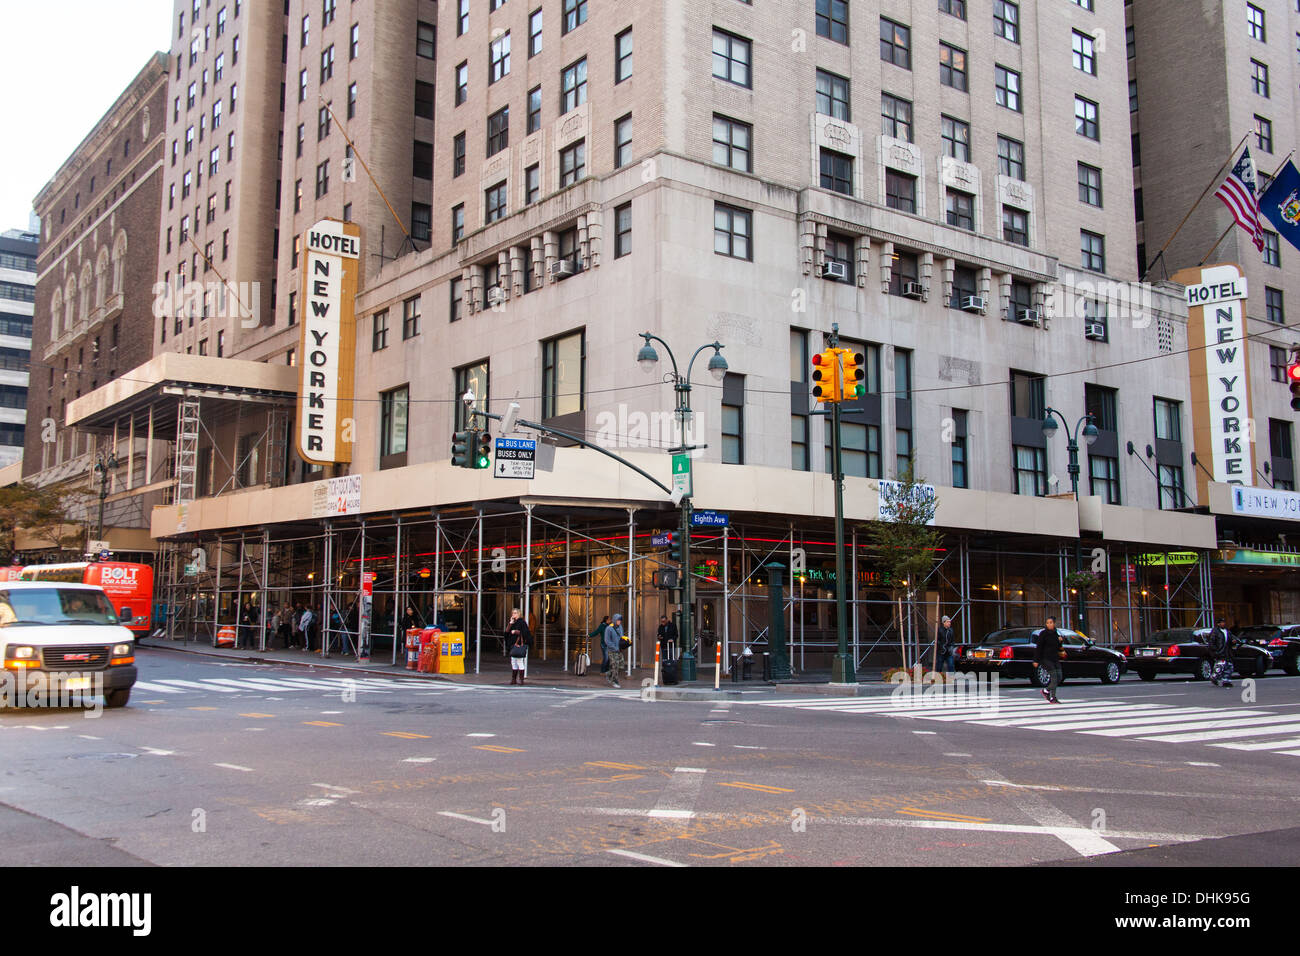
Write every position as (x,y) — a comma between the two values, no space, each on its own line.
(709,519)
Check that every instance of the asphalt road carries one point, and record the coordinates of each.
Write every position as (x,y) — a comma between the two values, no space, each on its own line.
(220,763)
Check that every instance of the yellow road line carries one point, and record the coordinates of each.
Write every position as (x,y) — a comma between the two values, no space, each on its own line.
(942,815)
(316,723)
(499,750)
(257,715)
(759,787)
(202,708)
(611,765)
(404,735)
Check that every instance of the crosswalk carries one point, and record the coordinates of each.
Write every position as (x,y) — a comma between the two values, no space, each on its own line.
(171,686)
(1229,728)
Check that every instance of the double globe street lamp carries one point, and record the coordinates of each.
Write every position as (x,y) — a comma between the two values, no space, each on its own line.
(648,358)
(1090,433)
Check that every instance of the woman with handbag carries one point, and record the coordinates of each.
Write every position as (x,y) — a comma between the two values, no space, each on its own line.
(519,639)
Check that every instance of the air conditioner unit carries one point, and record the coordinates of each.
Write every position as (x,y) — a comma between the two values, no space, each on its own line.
(913,290)
(496,295)
(973,303)
(1029,316)
(834,270)
(1095,331)
(562,269)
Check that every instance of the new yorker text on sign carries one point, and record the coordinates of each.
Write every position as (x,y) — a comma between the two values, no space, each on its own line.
(327,342)
(514,458)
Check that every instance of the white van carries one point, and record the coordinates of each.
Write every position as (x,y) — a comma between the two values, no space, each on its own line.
(60,641)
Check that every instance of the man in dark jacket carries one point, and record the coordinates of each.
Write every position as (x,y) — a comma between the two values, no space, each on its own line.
(1220,643)
(667,635)
(1047,654)
(944,641)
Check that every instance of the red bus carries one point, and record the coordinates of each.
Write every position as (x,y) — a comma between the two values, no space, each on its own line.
(129,586)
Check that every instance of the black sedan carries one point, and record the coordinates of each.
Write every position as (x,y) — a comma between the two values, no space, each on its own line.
(1282,641)
(1183,650)
(1010,653)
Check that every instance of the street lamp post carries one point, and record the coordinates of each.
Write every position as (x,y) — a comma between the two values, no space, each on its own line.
(647,358)
(102,467)
(1089,425)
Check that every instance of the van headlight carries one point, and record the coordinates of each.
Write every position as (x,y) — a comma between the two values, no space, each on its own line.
(121,650)
(22,653)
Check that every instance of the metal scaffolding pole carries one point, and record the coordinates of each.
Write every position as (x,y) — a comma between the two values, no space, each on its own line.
(360,605)
(631,586)
(478,601)
(726,597)
(528,562)
(216,592)
(437,567)
(567,587)
(328,575)
(853,577)
(265,593)
(239,591)
(399,606)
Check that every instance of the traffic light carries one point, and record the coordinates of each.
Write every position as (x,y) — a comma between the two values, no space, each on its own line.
(482,445)
(854,386)
(825,376)
(675,549)
(1293,378)
(460,449)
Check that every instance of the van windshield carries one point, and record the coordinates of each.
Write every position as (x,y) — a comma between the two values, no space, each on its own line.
(55,605)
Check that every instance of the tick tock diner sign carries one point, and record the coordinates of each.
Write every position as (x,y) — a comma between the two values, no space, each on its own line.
(327,344)
(1223,430)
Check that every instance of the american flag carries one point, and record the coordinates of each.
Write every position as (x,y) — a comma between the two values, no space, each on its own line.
(1238,194)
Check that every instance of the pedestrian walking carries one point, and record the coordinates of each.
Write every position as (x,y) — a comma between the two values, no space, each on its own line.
(667,635)
(1048,654)
(613,644)
(598,635)
(944,641)
(1220,643)
(308,623)
(519,640)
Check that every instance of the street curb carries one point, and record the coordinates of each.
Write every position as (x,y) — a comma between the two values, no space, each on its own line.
(697,693)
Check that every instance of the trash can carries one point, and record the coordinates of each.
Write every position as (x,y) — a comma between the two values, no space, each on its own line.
(735,668)
(670,671)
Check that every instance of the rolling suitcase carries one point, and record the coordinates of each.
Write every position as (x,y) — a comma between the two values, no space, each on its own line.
(583,662)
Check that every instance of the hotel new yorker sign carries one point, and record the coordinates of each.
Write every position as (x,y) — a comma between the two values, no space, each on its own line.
(327,346)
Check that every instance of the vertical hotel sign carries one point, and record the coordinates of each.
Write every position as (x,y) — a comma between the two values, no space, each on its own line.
(1222,428)
(327,347)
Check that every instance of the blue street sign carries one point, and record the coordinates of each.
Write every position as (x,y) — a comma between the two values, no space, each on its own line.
(661,540)
(709,519)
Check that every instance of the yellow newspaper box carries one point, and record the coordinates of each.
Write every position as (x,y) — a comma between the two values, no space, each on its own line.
(452,660)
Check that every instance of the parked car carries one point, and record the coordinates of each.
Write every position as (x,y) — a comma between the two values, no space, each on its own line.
(1183,650)
(1282,641)
(1009,652)
(57,638)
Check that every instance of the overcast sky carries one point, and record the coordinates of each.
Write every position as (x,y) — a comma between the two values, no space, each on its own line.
(62,64)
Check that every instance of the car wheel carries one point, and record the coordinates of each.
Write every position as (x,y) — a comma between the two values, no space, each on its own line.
(117,698)
(1111,674)
(1204,669)
(1147,675)
(1292,665)
(1039,677)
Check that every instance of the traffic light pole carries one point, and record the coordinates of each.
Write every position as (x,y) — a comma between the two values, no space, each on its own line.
(842,670)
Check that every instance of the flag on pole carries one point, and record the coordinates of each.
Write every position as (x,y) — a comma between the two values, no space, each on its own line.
(1238,194)
(1280,203)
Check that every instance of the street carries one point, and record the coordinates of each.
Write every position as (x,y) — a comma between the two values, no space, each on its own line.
(222,763)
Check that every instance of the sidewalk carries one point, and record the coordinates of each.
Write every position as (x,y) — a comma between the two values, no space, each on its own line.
(495,670)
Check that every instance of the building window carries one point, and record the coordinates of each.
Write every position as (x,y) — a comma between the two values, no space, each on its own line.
(302,86)
(732,231)
(1084,52)
(952,67)
(1015,226)
(832,95)
(1170,478)
(352,101)
(833,20)
(731,58)
(1103,478)
(836,172)
(498,131)
(327,64)
(569,249)
(458,155)
(532,183)
(421,221)
(327,16)
(1090,185)
(425,40)
(1168,420)
(393,410)
(733,419)
(1272,250)
(462,17)
(499,58)
(1281,451)
(573,86)
(799,459)
(1277,363)
(1092,248)
(354,41)
(839,250)
(562,375)
(965,283)
(379,333)
(471,378)
(900,191)
(322,124)
(1096,320)
(1273,310)
(322,179)
(1006,24)
(534,118)
(1085,118)
(956,138)
(1011,158)
(423,99)
(462,82)
(1259,78)
(458,222)
(956,8)
(1030,470)
(622,141)
(573,163)
(1006,88)
(906,269)
(495,203)
(961,210)
(575,15)
(1255,23)
(895,43)
(622,230)
(960,470)
(896,117)
(411,318)
(535,32)
(1263,134)
(623,56)
(456,303)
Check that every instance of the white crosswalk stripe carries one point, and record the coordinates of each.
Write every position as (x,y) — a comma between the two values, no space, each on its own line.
(264,685)
(1253,730)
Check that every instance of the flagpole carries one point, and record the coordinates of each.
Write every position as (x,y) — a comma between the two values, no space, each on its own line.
(1213,180)
(1234,222)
